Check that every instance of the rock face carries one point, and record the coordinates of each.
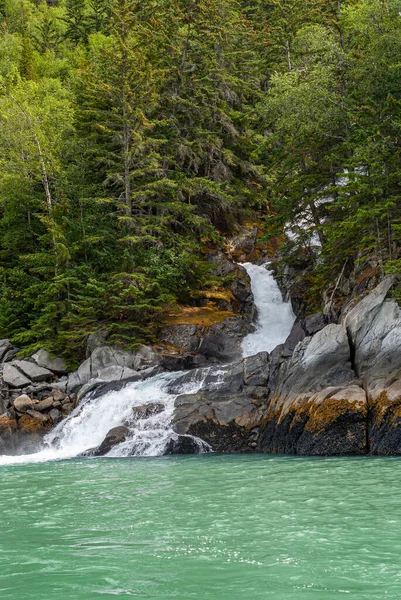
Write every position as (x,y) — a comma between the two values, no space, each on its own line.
(228,410)
(374,328)
(220,341)
(339,391)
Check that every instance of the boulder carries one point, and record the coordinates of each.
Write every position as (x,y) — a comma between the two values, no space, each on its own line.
(57,365)
(45,404)
(23,403)
(228,378)
(32,371)
(185,444)
(116,373)
(37,415)
(374,328)
(55,415)
(147,410)
(114,437)
(13,377)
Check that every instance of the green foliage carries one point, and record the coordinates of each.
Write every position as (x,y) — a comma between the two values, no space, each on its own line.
(134,132)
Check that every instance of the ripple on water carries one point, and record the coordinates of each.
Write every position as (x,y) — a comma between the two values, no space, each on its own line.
(212,527)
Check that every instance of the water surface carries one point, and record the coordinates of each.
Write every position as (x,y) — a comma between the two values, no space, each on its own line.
(201,527)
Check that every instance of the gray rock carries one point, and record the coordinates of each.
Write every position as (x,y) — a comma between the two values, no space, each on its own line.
(13,377)
(5,345)
(44,405)
(220,341)
(185,444)
(116,373)
(43,359)
(92,385)
(114,437)
(37,415)
(24,403)
(256,369)
(55,415)
(145,358)
(32,371)
(318,362)
(147,410)
(223,420)
(10,354)
(374,328)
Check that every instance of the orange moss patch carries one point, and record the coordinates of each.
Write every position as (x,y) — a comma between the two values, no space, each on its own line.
(218,294)
(30,424)
(322,415)
(7,424)
(204,316)
(382,406)
(318,416)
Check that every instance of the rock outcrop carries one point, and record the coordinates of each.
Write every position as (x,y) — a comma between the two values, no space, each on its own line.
(228,410)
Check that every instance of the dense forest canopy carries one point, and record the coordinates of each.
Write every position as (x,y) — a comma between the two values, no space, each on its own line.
(136,133)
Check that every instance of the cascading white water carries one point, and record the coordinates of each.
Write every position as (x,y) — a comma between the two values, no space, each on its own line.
(87,426)
(275,317)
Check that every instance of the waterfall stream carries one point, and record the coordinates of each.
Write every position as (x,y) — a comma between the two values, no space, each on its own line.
(87,426)
(275,318)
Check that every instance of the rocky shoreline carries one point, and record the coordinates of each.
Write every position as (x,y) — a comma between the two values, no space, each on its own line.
(333,388)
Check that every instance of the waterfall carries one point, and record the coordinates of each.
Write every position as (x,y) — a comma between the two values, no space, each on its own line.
(87,426)
(275,317)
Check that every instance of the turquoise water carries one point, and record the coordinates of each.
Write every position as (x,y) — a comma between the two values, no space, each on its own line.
(201,527)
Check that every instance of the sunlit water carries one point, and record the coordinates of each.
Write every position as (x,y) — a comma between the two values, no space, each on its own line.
(201,527)
(275,318)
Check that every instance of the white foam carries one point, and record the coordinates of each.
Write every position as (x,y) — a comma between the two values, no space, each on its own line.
(275,317)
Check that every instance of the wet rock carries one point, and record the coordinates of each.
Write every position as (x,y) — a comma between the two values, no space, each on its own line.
(13,377)
(57,365)
(32,371)
(114,437)
(183,444)
(219,341)
(147,410)
(332,422)
(223,420)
